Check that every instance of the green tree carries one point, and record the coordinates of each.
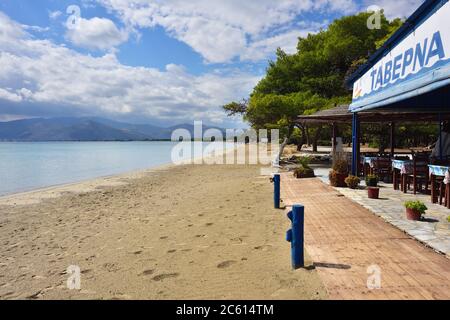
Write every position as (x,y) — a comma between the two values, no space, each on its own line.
(313,78)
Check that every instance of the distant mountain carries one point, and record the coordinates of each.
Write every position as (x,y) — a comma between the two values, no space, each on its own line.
(84,129)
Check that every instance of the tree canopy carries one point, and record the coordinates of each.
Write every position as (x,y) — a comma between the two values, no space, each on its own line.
(313,78)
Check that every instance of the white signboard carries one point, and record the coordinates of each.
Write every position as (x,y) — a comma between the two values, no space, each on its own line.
(425,49)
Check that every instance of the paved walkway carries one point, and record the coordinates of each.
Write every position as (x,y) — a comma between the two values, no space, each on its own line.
(434,230)
(344,240)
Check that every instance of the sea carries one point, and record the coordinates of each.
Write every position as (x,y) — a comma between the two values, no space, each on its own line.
(26,166)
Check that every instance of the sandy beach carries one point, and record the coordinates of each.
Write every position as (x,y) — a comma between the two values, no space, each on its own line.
(177,232)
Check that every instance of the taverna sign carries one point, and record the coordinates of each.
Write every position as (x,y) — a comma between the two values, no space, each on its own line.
(410,64)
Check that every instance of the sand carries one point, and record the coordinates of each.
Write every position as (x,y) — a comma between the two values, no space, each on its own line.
(177,232)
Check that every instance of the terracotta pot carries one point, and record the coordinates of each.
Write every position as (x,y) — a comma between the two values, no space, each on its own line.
(373,192)
(412,214)
(340,180)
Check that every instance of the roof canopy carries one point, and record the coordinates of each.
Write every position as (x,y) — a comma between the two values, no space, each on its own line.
(341,114)
(414,63)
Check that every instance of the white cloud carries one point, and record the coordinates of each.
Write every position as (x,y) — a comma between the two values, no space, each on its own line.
(396,9)
(223,30)
(54,14)
(41,75)
(8,95)
(260,50)
(96,33)
(35,28)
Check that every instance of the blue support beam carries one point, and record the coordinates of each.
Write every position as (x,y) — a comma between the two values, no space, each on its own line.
(355,144)
(296,236)
(276,191)
(440,137)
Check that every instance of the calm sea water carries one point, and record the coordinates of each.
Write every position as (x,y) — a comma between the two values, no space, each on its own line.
(26,166)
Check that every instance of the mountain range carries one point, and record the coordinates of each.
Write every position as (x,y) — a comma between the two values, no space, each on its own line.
(85,129)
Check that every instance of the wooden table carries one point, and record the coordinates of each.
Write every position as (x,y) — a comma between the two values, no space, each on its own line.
(440,171)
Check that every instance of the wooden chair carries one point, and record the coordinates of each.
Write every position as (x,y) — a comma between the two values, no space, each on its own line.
(382,168)
(420,175)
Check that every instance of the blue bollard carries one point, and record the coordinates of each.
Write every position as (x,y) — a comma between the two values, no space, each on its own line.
(296,235)
(276,193)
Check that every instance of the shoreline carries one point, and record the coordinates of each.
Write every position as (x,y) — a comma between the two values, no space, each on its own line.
(90,184)
(87,185)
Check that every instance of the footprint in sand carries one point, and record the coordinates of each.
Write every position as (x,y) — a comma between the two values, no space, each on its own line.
(225,264)
(148,272)
(163,276)
(163,238)
(209,224)
(263,247)
(171,251)
(111,267)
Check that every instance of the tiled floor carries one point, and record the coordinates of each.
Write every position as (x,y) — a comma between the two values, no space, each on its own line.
(348,242)
(433,231)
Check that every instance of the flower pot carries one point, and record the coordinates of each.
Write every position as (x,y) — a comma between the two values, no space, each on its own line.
(340,180)
(412,214)
(373,192)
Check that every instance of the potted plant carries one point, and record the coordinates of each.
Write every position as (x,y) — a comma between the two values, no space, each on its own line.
(304,171)
(415,210)
(372,180)
(373,192)
(352,182)
(339,173)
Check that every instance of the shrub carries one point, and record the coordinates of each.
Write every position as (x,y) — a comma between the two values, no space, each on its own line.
(352,182)
(418,206)
(304,173)
(336,179)
(372,180)
(448,218)
(341,166)
(304,162)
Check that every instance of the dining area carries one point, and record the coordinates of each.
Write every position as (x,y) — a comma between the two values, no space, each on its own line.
(419,172)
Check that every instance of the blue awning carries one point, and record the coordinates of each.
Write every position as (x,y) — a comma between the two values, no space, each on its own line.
(414,62)
(433,80)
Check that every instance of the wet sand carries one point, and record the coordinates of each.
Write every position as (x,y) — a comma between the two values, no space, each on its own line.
(186,232)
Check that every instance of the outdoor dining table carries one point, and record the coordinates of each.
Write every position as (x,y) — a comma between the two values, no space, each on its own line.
(440,171)
(400,171)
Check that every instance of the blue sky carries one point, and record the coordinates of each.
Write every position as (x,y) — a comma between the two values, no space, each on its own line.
(155,61)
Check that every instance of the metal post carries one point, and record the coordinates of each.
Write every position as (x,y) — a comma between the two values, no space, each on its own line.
(276,193)
(296,235)
(440,137)
(355,144)
(334,133)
